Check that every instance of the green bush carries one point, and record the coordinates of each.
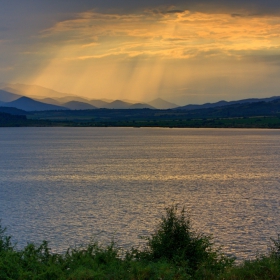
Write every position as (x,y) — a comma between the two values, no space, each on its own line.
(275,247)
(261,268)
(5,241)
(176,242)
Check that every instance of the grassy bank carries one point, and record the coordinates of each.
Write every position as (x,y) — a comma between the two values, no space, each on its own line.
(173,251)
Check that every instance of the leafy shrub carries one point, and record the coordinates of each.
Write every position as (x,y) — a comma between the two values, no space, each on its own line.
(176,242)
(5,240)
(275,247)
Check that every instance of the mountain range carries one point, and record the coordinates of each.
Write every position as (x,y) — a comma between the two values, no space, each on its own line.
(36,98)
(226,103)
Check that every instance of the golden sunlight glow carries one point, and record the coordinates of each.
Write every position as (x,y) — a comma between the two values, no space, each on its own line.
(142,56)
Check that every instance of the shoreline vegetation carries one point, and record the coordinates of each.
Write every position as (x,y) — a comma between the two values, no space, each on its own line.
(117,119)
(240,115)
(173,251)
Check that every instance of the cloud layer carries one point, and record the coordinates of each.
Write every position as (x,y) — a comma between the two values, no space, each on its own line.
(185,51)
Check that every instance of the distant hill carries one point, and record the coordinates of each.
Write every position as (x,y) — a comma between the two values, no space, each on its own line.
(246,109)
(72,98)
(226,103)
(12,111)
(162,104)
(49,101)
(6,96)
(76,105)
(99,103)
(28,104)
(118,104)
(141,106)
(107,100)
(128,101)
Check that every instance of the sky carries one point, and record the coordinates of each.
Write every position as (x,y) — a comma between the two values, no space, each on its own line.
(185,52)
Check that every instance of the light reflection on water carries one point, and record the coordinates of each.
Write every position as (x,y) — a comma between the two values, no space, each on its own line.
(66,185)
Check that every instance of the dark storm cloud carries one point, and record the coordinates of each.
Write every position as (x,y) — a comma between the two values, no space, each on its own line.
(71,6)
(32,15)
(37,14)
(258,6)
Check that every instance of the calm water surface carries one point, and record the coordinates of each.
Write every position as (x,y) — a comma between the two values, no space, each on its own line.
(67,185)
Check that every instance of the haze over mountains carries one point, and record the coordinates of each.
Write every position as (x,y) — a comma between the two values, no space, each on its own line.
(36,98)
(6,96)
(33,91)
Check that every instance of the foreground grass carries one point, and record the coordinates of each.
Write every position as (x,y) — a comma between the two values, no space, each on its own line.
(173,251)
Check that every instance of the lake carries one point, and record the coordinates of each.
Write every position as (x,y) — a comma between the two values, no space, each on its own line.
(69,185)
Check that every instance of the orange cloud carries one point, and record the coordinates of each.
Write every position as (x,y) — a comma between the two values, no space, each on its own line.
(136,55)
(167,35)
